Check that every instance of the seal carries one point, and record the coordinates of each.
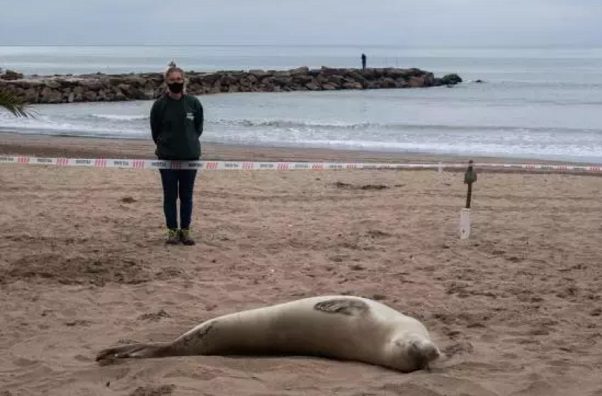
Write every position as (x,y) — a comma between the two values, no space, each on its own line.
(339,327)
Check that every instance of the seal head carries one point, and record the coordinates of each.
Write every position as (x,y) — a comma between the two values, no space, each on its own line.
(411,352)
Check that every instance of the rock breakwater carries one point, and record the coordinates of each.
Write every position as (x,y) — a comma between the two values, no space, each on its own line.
(118,87)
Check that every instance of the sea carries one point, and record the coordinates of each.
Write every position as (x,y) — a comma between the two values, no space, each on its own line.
(523,103)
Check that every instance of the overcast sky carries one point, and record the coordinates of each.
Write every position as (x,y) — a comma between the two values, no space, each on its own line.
(349,22)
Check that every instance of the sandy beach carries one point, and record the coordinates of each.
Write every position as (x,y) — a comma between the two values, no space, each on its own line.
(516,308)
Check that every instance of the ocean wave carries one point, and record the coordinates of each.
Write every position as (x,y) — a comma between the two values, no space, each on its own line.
(116,124)
(35,126)
(119,117)
(402,127)
(578,153)
(288,124)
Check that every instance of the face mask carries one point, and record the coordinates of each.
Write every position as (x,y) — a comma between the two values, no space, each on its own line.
(175,87)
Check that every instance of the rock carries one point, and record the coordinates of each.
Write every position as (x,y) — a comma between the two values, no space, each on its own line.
(327,71)
(49,95)
(352,85)
(416,82)
(299,70)
(379,72)
(388,82)
(228,79)
(10,75)
(282,80)
(54,84)
(30,95)
(321,79)
(401,83)
(91,84)
(414,72)
(302,79)
(209,79)
(336,79)
(135,81)
(395,73)
(429,79)
(259,74)
(368,74)
(451,79)
(89,96)
(355,75)
(245,82)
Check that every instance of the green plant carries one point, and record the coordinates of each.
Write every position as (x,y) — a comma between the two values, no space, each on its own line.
(14,104)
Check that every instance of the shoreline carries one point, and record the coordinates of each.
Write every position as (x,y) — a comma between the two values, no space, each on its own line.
(12,143)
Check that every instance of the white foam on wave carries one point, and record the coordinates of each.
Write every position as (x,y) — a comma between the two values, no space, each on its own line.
(120,117)
(575,152)
(68,126)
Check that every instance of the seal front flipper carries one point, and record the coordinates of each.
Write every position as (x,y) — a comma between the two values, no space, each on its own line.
(345,306)
(109,355)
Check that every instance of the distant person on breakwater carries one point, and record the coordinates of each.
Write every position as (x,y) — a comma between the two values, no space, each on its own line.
(176,121)
(364,61)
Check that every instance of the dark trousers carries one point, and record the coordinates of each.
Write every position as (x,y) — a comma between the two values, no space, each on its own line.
(177,183)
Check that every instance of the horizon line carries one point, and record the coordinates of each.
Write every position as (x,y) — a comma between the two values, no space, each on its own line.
(362,45)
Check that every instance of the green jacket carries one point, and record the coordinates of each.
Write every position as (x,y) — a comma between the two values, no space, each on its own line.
(176,126)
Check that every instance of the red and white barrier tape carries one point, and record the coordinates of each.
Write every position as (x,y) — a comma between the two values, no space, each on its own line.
(254,165)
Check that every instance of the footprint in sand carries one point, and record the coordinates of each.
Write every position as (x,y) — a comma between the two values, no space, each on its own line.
(155,316)
(162,390)
(458,348)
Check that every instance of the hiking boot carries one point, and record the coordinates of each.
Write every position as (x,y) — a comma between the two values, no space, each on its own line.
(186,238)
(173,238)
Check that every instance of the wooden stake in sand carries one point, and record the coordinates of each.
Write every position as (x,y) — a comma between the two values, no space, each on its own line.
(470,176)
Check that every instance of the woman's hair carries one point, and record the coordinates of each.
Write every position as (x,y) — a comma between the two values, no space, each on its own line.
(171,68)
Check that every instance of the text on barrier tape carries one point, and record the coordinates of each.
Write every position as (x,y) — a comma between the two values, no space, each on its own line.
(281,166)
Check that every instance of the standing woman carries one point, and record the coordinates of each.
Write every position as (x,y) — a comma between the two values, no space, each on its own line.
(177,123)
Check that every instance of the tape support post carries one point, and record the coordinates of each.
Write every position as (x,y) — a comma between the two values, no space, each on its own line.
(267,165)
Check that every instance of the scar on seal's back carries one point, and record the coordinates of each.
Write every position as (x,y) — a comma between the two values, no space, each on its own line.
(342,306)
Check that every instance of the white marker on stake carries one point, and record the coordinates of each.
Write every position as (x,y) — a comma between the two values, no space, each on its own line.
(464,223)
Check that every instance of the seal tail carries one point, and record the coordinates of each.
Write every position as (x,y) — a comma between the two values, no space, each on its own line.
(109,355)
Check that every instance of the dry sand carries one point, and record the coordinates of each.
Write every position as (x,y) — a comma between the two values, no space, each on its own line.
(516,308)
